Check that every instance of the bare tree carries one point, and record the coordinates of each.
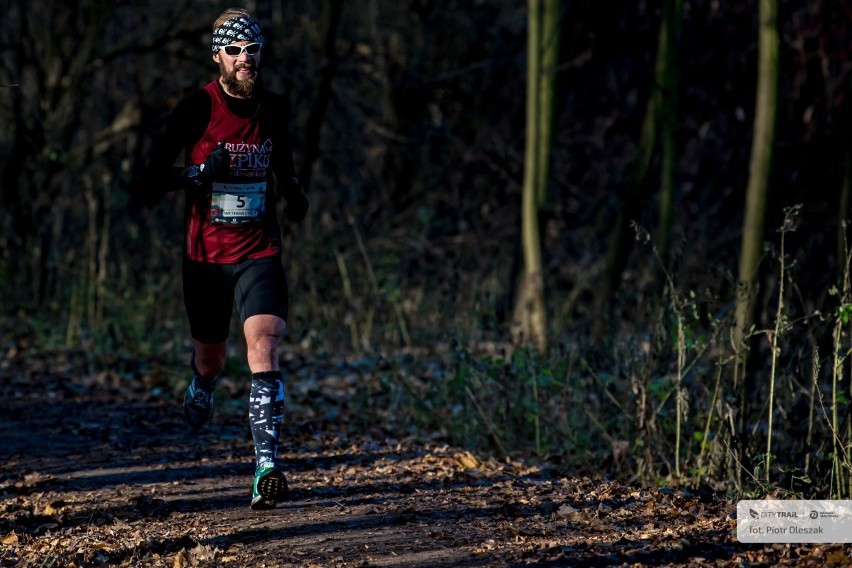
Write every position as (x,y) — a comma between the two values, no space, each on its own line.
(763,142)
(530,317)
(845,200)
(667,72)
(657,132)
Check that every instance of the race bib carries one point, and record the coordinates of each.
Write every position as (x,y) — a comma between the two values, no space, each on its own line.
(237,203)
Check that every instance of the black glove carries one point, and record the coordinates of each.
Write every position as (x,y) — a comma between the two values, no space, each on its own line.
(297,201)
(216,166)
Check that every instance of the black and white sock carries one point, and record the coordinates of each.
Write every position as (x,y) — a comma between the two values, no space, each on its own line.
(266,412)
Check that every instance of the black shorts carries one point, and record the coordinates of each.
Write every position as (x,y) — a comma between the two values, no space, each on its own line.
(210,291)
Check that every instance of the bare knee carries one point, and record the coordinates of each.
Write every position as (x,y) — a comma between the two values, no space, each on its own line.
(262,334)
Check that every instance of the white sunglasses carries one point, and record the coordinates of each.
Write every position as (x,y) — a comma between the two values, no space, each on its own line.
(235,50)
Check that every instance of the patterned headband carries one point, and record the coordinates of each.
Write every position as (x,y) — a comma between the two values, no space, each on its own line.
(236,29)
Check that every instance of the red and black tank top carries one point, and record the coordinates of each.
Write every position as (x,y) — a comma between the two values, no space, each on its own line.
(236,220)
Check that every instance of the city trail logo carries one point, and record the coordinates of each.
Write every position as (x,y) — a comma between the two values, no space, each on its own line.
(794,521)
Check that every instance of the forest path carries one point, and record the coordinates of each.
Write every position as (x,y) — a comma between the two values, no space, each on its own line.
(93,473)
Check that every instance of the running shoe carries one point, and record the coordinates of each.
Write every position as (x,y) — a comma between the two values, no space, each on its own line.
(198,404)
(270,487)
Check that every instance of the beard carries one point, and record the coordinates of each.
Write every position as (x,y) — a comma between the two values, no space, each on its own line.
(239,87)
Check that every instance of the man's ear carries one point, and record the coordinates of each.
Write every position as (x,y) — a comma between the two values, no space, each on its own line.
(216,56)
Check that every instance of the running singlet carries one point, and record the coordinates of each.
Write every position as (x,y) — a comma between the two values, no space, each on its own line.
(236,220)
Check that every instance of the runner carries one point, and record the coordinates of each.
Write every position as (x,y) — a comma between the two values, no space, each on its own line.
(234,135)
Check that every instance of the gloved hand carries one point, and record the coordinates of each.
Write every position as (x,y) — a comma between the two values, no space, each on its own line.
(216,166)
(297,201)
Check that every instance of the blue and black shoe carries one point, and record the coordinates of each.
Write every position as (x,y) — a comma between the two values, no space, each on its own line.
(198,402)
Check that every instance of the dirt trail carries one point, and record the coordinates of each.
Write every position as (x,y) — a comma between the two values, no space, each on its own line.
(96,474)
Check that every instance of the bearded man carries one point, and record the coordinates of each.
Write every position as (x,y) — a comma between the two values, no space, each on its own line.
(234,135)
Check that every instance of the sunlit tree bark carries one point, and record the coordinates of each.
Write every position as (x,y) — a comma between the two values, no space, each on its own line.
(759,170)
(548,52)
(530,318)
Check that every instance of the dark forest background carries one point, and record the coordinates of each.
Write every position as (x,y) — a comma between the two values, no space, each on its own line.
(409,124)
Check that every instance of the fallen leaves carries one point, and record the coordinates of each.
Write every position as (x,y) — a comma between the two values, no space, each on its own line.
(566,510)
(466,459)
(123,486)
(200,555)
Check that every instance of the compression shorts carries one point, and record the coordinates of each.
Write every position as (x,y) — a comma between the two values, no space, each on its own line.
(210,292)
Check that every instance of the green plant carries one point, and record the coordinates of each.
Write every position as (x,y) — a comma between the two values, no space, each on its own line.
(841,454)
(781,325)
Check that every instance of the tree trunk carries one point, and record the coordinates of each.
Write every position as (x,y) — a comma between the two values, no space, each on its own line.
(530,318)
(667,72)
(845,201)
(548,52)
(658,128)
(319,107)
(759,170)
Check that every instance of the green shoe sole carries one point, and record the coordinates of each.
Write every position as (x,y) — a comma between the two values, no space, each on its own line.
(270,487)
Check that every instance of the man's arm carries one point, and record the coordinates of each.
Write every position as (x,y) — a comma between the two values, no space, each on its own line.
(184,128)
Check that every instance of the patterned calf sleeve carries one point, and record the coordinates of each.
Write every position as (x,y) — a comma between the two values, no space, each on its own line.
(266,411)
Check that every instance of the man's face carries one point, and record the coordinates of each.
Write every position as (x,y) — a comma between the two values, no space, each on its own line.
(240,71)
